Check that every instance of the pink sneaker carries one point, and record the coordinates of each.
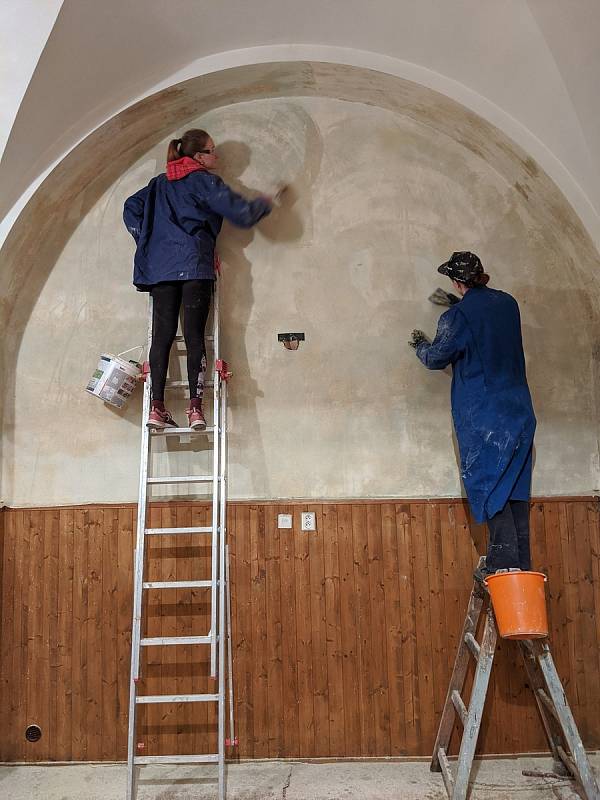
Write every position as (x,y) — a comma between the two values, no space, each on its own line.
(195,416)
(159,418)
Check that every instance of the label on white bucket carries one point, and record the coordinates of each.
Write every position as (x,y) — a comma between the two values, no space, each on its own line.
(114,380)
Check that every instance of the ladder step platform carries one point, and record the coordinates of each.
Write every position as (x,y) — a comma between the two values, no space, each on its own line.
(207,758)
(177,585)
(176,531)
(557,719)
(161,641)
(182,479)
(181,431)
(177,698)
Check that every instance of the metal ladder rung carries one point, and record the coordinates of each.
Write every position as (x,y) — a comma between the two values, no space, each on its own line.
(176,384)
(208,758)
(182,431)
(173,640)
(473,645)
(174,531)
(177,698)
(460,706)
(183,479)
(177,585)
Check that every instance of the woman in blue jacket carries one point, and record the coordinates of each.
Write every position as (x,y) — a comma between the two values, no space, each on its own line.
(491,406)
(175,221)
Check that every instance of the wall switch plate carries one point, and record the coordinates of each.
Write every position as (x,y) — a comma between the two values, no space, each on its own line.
(284,520)
(309,521)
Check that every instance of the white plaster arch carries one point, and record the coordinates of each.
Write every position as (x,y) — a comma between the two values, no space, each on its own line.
(527,66)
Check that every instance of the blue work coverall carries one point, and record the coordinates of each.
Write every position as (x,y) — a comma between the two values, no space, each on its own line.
(491,405)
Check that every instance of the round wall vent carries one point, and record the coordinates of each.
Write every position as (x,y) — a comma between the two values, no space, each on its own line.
(33,733)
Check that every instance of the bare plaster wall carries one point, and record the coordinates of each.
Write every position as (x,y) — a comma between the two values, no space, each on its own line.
(379,197)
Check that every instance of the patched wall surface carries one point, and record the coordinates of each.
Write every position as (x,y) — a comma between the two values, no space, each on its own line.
(379,197)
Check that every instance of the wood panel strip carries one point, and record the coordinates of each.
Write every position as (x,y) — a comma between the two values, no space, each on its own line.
(258,609)
(125,552)
(335,737)
(393,626)
(426,694)
(273,626)
(11,638)
(306,732)
(291,698)
(349,632)
(408,624)
(318,619)
(379,630)
(243,645)
(64,736)
(366,684)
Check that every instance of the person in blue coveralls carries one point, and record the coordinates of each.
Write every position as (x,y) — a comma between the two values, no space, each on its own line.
(480,336)
(175,221)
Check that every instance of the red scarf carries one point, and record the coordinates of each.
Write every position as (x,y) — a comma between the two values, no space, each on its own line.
(182,167)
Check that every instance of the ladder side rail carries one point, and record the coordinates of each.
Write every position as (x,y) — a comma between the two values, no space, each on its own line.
(222,585)
(229,650)
(536,679)
(571,735)
(459,672)
(139,572)
(476,705)
(215,487)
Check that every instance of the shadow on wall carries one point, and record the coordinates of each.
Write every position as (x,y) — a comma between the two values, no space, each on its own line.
(284,224)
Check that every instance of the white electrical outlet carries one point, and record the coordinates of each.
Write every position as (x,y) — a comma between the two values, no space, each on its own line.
(309,521)
(284,520)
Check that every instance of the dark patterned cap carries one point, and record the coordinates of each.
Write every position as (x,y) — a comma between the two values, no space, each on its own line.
(462,266)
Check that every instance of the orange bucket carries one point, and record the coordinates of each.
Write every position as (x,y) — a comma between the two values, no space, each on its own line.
(519,603)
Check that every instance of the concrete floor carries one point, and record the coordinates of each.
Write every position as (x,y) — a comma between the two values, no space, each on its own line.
(498,779)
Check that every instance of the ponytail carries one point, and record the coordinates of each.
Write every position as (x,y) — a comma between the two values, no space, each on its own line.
(173,152)
(192,142)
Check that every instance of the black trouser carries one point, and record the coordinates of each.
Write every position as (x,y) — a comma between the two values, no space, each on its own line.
(509,537)
(167,299)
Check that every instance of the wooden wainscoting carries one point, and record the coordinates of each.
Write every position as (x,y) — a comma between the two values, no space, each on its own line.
(343,639)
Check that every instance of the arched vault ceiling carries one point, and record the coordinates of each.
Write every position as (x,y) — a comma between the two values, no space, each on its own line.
(528,66)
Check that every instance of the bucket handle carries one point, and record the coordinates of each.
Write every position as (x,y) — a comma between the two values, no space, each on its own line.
(139,347)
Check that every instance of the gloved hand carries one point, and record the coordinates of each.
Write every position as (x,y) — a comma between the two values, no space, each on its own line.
(417,337)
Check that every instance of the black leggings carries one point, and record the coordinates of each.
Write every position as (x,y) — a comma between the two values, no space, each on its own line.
(167,299)
(509,537)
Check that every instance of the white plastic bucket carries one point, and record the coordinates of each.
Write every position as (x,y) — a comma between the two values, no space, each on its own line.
(114,379)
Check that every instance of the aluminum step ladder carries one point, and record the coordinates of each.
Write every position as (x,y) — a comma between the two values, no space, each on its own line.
(218,638)
(559,725)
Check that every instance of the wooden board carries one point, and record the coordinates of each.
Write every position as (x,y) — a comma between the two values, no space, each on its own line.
(343,639)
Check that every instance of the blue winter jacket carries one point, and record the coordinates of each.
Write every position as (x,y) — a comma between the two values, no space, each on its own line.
(491,405)
(175,224)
